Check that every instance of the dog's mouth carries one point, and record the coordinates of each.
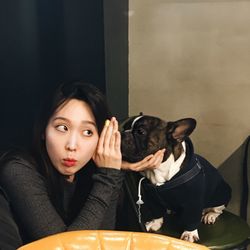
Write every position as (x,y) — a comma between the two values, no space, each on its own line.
(132,151)
(133,154)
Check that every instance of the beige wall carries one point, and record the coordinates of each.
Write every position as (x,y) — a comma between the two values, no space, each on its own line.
(192,59)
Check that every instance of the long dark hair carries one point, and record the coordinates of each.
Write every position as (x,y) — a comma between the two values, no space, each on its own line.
(65,92)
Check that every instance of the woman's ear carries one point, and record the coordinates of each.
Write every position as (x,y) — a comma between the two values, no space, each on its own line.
(181,129)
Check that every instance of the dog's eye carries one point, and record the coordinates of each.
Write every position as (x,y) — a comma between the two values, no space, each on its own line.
(141,131)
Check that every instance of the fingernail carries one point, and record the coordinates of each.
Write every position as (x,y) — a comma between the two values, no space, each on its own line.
(107,122)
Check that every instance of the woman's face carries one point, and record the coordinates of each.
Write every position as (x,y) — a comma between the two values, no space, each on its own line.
(71,137)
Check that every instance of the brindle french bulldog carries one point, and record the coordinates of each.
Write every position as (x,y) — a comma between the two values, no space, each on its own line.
(185,183)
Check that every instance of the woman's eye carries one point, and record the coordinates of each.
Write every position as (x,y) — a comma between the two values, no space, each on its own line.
(62,128)
(87,132)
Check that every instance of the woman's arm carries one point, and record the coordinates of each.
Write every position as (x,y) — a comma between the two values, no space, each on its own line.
(31,205)
(101,214)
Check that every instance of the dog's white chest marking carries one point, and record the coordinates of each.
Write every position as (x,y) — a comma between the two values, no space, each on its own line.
(167,169)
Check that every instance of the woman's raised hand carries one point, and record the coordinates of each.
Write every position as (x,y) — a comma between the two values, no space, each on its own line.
(108,151)
(150,162)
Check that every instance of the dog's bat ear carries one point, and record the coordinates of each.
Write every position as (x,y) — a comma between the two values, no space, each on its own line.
(181,129)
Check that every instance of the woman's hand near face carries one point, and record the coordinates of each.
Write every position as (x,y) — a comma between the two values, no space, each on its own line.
(150,162)
(108,151)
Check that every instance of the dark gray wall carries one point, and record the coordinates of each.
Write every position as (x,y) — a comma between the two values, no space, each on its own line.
(42,44)
(116,55)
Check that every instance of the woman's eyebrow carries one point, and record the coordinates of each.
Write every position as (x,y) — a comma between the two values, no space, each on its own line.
(89,122)
(60,118)
(67,120)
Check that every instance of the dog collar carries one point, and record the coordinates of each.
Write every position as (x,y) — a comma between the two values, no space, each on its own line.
(133,123)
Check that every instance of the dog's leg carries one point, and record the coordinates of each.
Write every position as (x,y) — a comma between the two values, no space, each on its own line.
(154,225)
(191,236)
(209,215)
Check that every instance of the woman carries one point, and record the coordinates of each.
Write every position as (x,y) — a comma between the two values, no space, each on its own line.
(72,179)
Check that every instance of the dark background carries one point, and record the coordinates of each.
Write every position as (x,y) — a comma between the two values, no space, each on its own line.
(44,43)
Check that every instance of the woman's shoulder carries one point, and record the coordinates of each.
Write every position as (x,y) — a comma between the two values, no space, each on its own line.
(16,158)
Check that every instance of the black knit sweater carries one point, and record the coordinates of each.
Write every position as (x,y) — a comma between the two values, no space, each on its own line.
(36,213)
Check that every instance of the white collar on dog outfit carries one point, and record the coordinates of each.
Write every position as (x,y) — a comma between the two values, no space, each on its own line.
(166,170)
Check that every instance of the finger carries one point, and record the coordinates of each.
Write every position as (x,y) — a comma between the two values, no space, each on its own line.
(146,159)
(107,137)
(114,137)
(145,164)
(115,125)
(151,162)
(160,152)
(118,141)
(103,133)
(158,159)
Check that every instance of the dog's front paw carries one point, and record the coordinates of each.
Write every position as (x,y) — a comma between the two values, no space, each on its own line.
(154,225)
(210,217)
(191,236)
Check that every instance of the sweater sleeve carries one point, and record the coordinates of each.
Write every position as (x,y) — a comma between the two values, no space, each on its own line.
(33,209)
(99,211)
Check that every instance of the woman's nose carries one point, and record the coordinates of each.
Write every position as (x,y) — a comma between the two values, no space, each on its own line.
(71,144)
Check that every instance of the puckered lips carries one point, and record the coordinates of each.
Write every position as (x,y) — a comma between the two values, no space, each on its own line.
(69,162)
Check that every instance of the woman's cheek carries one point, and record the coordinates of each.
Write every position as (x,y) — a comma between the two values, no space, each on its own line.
(92,146)
(51,140)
